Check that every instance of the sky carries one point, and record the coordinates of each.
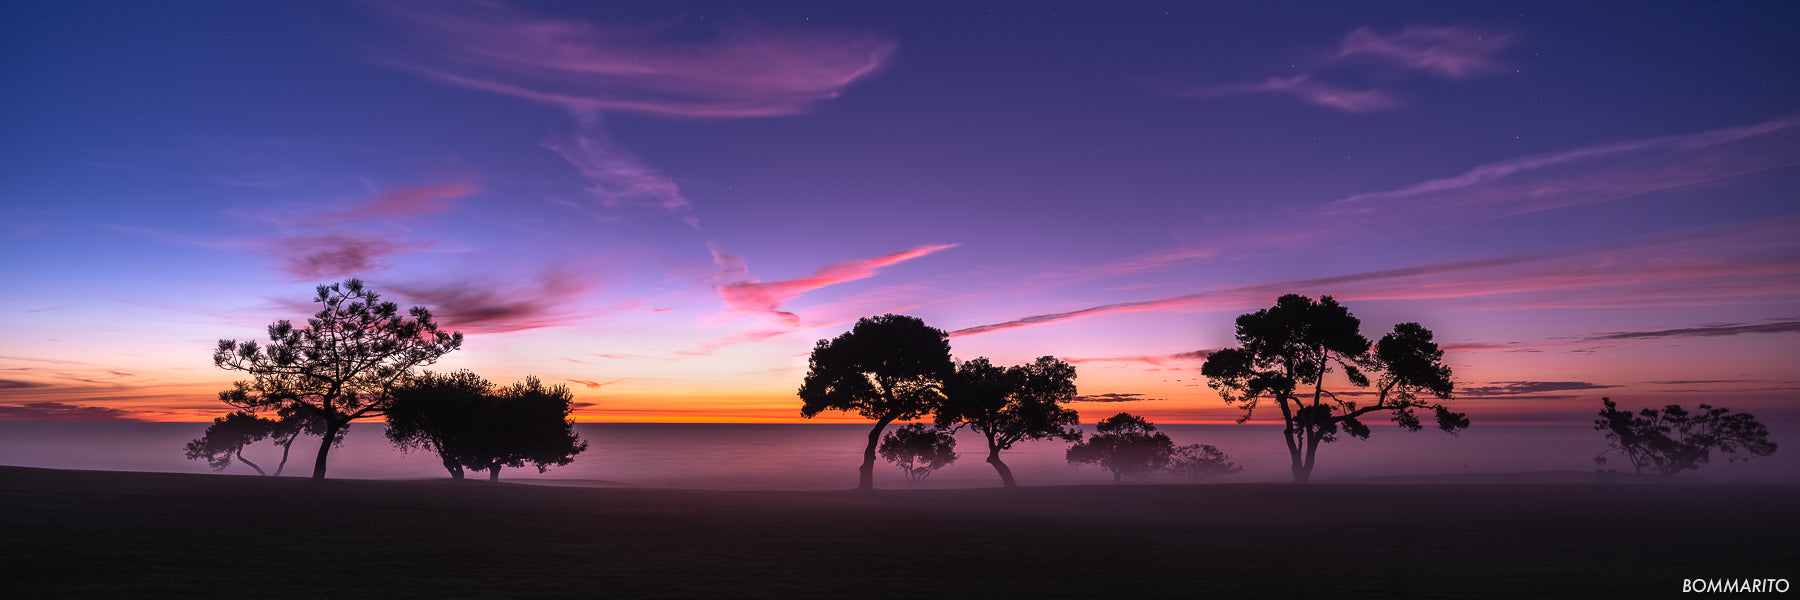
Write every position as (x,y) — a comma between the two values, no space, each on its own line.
(664,205)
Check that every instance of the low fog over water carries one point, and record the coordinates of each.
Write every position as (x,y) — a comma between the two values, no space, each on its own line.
(822,456)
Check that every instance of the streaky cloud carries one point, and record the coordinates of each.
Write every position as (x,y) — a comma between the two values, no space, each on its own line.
(744,294)
(1305,88)
(493,306)
(593,385)
(1712,330)
(1535,389)
(1113,398)
(59,411)
(615,176)
(334,255)
(1448,52)
(1155,360)
(742,71)
(404,202)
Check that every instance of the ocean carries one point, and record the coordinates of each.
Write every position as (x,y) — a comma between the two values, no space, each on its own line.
(826,456)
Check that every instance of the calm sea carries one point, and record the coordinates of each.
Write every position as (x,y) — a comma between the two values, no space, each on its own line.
(821,456)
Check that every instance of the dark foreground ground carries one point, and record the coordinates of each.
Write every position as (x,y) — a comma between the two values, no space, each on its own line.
(83,534)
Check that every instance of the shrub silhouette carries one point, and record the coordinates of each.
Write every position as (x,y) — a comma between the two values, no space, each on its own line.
(469,424)
(1201,461)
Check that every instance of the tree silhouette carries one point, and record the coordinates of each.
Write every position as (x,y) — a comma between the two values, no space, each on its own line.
(1298,342)
(226,438)
(1125,444)
(441,413)
(1673,440)
(887,368)
(1201,461)
(918,450)
(342,366)
(1010,405)
(526,422)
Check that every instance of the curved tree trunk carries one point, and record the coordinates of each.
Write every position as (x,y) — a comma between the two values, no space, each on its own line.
(287,446)
(1303,471)
(455,469)
(1006,475)
(240,457)
(331,432)
(866,474)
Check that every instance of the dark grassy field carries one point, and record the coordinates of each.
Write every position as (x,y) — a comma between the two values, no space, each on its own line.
(109,534)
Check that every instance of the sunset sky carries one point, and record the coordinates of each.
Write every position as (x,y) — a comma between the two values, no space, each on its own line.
(664,205)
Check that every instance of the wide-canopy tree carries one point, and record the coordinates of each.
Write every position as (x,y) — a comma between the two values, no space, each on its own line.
(342,366)
(887,368)
(442,413)
(1287,351)
(1010,405)
(919,449)
(525,423)
(1126,444)
(1671,440)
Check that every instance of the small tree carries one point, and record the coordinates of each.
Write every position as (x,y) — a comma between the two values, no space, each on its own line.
(1201,461)
(341,367)
(226,438)
(526,423)
(918,450)
(1007,406)
(1125,444)
(1673,440)
(887,368)
(444,414)
(1297,342)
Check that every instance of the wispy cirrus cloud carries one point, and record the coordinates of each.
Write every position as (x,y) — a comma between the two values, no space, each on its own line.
(1454,53)
(615,176)
(59,411)
(1448,52)
(742,71)
(744,294)
(593,385)
(1305,88)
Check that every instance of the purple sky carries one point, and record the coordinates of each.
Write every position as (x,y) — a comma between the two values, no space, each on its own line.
(665,204)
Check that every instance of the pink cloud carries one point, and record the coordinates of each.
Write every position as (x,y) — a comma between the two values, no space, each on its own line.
(406,202)
(334,255)
(59,411)
(740,72)
(593,385)
(745,294)
(1449,52)
(1305,88)
(473,306)
(743,337)
(1156,360)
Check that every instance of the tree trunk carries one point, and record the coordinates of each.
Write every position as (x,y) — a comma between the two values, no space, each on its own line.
(286,447)
(1005,471)
(455,469)
(1303,472)
(866,474)
(240,457)
(331,432)
(1116,476)
(494,474)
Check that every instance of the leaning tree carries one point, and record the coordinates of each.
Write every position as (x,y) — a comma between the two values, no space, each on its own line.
(226,438)
(887,368)
(342,366)
(1010,405)
(1295,344)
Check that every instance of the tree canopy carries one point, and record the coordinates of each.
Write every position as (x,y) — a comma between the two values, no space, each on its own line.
(1295,344)
(441,413)
(887,368)
(1201,461)
(1126,444)
(226,438)
(527,423)
(1672,440)
(918,449)
(343,365)
(1010,405)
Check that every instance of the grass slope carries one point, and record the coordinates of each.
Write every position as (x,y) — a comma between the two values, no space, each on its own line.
(113,534)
